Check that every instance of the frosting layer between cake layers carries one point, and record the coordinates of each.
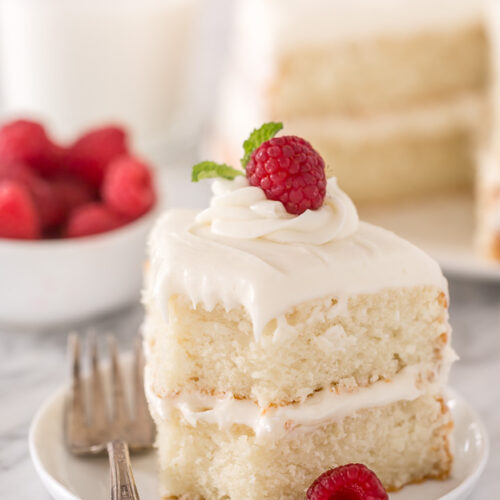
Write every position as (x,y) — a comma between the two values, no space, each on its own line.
(209,258)
(290,23)
(320,408)
(245,105)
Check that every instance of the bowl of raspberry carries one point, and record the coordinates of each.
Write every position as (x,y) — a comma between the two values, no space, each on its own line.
(74,221)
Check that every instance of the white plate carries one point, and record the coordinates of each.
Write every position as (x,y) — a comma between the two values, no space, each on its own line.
(443,227)
(70,478)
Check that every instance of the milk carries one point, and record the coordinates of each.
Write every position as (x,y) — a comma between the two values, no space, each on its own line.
(76,63)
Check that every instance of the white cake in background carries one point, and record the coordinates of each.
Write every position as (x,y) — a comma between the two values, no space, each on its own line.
(391,92)
(280,346)
(488,181)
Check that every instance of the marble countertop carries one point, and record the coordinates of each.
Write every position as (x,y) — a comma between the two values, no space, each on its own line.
(34,365)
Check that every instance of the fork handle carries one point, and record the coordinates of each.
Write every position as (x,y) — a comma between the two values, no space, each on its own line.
(122,479)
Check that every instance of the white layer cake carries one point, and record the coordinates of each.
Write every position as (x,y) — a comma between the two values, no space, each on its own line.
(279,346)
(488,179)
(390,92)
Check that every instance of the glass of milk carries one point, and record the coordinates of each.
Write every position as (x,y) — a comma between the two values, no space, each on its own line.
(78,63)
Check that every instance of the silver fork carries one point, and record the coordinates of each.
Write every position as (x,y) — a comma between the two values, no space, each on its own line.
(94,424)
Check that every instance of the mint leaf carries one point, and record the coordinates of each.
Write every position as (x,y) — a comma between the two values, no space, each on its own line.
(257,137)
(209,169)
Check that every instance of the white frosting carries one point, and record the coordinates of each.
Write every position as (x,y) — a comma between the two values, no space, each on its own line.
(322,407)
(465,111)
(267,277)
(285,24)
(266,29)
(244,106)
(238,210)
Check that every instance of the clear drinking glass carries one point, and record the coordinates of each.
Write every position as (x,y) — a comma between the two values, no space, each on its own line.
(75,63)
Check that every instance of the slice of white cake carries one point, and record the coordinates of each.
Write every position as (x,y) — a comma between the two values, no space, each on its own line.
(487,236)
(279,346)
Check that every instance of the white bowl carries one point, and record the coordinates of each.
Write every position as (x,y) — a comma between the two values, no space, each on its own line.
(46,283)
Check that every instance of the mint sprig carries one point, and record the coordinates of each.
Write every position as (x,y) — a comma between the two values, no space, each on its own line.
(257,137)
(210,169)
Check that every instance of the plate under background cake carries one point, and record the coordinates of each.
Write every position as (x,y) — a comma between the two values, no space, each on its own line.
(271,358)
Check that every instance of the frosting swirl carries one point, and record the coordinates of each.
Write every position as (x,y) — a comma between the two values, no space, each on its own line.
(238,210)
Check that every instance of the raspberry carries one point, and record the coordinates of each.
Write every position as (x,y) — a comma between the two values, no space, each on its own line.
(90,155)
(289,170)
(49,208)
(348,482)
(128,187)
(92,218)
(18,218)
(27,142)
(16,171)
(72,193)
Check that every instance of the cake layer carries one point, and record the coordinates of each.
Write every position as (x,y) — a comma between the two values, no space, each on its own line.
(409,152)
(320,408)
(390,57)
(406,165)
(403,442)
(379,75)
(326,343)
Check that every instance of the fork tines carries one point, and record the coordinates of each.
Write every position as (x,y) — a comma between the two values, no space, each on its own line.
(92,419)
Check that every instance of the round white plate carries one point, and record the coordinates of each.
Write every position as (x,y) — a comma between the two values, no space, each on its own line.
(70,478)
(443,227)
